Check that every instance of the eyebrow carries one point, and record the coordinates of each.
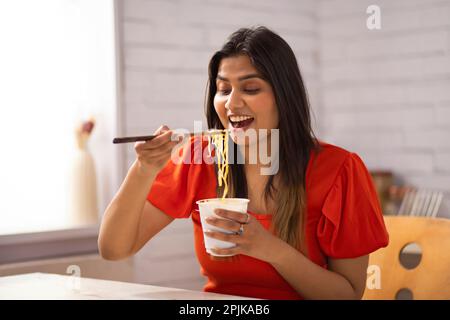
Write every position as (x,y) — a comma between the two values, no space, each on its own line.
(246,77)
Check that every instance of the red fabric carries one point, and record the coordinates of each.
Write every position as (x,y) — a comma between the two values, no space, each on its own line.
(343,220)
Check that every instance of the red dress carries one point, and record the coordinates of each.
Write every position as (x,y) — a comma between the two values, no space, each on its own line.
(344,218)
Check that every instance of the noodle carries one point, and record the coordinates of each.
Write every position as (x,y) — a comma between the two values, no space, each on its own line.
(220,141)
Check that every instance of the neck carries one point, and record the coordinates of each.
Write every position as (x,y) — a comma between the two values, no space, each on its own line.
(259,157)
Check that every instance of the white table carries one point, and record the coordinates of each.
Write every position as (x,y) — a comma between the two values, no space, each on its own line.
(54,286)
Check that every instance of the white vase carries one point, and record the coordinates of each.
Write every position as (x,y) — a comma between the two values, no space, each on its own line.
(83,208)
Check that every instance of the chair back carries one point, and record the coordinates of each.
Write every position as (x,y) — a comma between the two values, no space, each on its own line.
(430,279)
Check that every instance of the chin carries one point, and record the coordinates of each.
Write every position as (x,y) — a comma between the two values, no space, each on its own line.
(247,137)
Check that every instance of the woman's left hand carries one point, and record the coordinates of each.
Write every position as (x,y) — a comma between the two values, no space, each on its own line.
(253,241)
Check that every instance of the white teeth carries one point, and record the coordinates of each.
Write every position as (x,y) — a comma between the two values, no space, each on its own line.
(239,118)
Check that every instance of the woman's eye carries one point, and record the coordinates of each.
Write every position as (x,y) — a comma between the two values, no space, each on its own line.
(251,91)
(224,91)
(247,91)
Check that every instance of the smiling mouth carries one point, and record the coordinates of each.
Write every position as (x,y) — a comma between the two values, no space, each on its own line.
(241,123)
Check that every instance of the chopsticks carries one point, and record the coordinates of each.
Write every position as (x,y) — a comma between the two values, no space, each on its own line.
(148,138)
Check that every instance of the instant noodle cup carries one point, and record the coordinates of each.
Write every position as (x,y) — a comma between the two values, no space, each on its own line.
(206,208)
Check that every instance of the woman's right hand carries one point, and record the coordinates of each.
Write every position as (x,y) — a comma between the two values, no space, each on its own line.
(125,228)
(151,156)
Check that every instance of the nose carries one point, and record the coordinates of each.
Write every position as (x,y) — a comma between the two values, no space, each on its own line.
(234,101)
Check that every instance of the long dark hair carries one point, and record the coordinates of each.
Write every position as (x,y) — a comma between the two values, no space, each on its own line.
(276,62)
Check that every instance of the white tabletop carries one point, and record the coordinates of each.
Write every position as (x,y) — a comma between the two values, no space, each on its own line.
(54,286)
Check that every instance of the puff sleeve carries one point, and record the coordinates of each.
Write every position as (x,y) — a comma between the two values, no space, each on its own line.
(175,188)
(351,224)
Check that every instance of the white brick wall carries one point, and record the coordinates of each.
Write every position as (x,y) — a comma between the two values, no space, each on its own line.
(386,93)
(166,46)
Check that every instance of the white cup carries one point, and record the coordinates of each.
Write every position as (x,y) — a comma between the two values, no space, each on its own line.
(206,208)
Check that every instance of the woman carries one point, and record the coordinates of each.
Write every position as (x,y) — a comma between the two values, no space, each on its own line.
(310,226)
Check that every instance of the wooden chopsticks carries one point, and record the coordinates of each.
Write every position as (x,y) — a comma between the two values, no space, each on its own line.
(148,138)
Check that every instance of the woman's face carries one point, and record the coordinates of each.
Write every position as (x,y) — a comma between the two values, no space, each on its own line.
(243,99)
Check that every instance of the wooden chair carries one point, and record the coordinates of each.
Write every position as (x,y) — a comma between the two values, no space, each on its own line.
(431,278)
(421,202)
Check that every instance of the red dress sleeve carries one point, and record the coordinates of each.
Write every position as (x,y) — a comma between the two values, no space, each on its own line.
(352,223)
(176,187)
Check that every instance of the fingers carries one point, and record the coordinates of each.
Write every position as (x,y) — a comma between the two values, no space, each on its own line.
(151,155)
(161,139)
(224,236)
(157,152)
(162,150)
(222,259)
(226,224)
(239,217)
(229,252)
(164,137)
(161,129)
